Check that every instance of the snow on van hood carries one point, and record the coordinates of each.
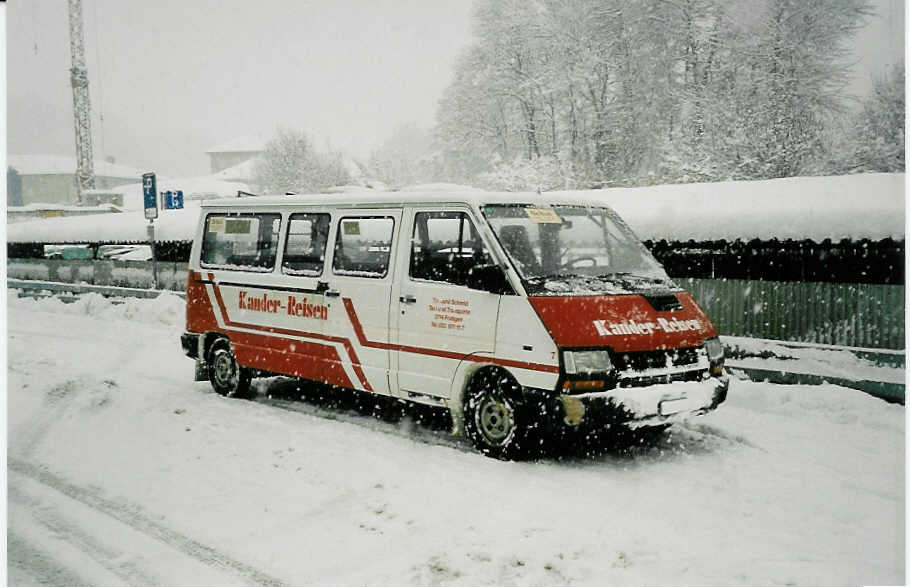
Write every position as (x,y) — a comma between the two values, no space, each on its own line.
(623,322)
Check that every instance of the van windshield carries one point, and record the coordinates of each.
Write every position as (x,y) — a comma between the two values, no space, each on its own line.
(579,250)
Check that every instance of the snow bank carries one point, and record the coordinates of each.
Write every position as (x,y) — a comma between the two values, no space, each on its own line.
(826,362)
(167,309)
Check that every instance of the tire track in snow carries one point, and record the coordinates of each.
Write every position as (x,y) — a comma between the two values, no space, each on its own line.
(25,561)
(84,542)
(406,428)
(55,404)
(128,514)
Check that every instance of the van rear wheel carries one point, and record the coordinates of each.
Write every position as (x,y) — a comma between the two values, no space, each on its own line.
(492,416)
(227,376)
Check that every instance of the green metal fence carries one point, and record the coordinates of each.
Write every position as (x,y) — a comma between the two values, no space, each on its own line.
(858,315)
(850,314)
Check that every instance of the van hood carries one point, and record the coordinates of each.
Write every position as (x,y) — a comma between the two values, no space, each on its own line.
(623,322)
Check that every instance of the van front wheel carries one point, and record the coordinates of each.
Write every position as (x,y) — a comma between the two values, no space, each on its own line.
(492,418)
(228,377)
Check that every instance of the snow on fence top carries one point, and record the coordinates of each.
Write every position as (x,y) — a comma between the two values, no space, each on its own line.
(124,227)
(859,206)
(854,206)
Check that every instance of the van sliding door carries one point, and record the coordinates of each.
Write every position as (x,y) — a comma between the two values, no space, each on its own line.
(358,289)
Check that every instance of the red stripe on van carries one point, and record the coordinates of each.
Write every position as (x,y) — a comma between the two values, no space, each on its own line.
(355,360)
(361,337)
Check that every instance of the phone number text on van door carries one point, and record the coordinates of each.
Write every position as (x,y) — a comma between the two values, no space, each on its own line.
(294,306)
(449,313)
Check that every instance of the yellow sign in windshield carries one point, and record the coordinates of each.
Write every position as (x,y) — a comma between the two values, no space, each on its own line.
(543,215)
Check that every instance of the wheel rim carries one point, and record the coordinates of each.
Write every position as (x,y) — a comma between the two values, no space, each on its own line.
(494,419)
(225,369)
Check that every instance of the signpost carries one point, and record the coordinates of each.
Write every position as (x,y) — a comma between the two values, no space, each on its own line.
(150,196)
(170,200)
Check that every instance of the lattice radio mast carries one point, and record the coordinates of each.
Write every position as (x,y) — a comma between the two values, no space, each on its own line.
(82,109)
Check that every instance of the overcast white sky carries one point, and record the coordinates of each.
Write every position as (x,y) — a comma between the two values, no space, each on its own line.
(175,77)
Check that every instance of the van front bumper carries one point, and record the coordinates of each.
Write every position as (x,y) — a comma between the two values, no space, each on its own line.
(643,406)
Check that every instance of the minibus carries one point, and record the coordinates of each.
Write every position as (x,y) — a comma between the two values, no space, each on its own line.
(518,313)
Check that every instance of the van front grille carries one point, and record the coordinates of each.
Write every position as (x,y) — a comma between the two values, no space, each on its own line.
(647,360)
(642,368)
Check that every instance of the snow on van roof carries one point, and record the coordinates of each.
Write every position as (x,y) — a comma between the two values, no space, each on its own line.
(856,206)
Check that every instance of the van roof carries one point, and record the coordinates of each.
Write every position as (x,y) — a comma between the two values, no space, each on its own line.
(367,198)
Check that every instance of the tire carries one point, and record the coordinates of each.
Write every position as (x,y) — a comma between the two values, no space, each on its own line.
(227,376)
(493,418)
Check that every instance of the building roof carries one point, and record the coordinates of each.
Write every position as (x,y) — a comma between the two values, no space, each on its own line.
(247,144)
(66,165)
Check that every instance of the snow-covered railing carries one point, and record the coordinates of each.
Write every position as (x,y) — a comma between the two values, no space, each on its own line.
(133,274)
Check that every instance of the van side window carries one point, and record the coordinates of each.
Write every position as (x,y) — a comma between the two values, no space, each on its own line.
(241,242)
(445,246)
(363,246)
(304,248)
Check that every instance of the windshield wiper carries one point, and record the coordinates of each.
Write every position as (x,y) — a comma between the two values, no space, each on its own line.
(629,275)
(556,276)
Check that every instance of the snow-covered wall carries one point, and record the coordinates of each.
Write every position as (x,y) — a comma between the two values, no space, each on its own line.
(867,205)
(851,206)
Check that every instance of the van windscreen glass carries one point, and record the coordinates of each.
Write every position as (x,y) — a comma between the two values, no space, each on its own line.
(566,250)
(240,242)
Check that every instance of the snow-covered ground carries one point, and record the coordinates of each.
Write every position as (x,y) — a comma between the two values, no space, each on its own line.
(123,470)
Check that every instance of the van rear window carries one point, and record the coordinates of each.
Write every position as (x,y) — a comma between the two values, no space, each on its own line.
(240,242)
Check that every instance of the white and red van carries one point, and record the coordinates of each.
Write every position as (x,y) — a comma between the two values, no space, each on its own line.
(514,314)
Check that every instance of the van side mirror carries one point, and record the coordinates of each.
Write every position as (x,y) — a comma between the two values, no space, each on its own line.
(489,278)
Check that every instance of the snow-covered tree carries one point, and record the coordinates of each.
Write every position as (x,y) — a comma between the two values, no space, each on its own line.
(289,163)
(627,92)
(404,158)
(878,136)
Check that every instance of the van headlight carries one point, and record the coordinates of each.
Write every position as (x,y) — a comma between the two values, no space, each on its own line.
(581,362)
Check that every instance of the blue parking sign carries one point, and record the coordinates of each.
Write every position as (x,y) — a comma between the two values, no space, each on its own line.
(173,200)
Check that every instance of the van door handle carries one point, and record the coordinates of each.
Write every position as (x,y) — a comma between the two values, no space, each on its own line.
(407,299)
(331,293)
